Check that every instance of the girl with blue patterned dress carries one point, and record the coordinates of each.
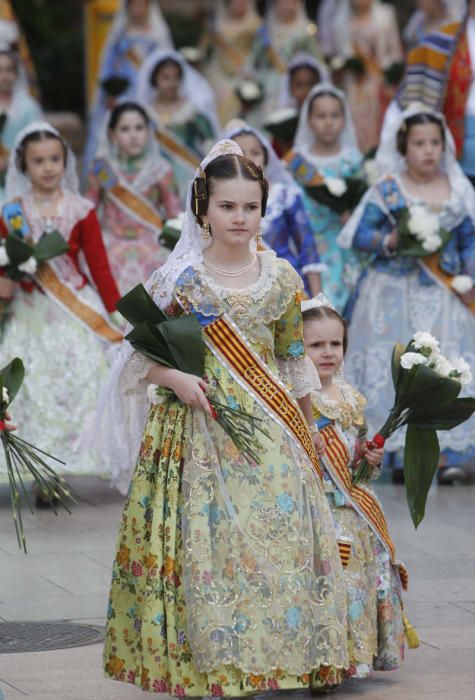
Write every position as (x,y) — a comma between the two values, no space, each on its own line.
(398,295)
(325,145)
(227,579)
(286,227)
(138,29)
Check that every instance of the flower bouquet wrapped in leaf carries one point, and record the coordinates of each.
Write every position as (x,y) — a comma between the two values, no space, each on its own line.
(115,85)
(282,123)
(178,343)
(171,232)
(420,233)
(427,387)
(23,458)
(339,194)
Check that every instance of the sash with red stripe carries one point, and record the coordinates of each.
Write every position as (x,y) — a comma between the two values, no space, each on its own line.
(336,459)
(225,340)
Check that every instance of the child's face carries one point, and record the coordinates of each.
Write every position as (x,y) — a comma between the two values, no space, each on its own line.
(138,10)
(252,148)
(167,81)
(424,149)
(234,212)
(301,82)
(286,10)
(130,134)
(327,120)
(8,74)
(45,164)
(323,340)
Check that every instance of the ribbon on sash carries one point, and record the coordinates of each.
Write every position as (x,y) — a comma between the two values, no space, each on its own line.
(337,459)
(125,197)
(53,287)
(175,147)
(304,172)
(225,341)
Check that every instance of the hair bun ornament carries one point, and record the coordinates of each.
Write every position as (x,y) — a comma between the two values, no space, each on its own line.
(315,303)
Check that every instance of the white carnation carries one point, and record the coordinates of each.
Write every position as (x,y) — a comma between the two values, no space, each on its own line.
(411,359)
(29,266)
(425,340)
(422,223)
(5,396)
(431,243)
(371,171)
(336,186)
(462,284)
(4,259)
(462,371)
(250,90)
(442,366)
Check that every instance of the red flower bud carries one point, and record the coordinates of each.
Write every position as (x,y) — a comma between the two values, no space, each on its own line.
(214,413)
(370,445)
(2,426)
(378,440)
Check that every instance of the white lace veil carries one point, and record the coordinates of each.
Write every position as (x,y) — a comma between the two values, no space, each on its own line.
(300,60)
(273,22)
(390,161)
(158,28)
(17,183)
(304,137)
(275,171)
(117,427)
(194,86)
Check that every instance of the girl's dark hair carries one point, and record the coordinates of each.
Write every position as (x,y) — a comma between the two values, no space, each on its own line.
(321,312)
(124,107)
(36,137)
(307,66)
(244,132)
(162,64)
(325,93)
(225,167)
(416,119)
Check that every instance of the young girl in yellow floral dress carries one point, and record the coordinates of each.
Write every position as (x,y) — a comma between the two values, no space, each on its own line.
(227,578)
(373,576)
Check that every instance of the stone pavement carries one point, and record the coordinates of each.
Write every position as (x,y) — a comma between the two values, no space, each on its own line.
(65,576)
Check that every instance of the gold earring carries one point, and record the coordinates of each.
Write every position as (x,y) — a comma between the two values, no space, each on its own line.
(206,233)
(258,236)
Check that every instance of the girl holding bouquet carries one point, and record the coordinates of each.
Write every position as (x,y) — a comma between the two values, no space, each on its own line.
(372,575)
(286,227)
(136,191)
(325,151)
(417,222)
(55,315)
(215,548)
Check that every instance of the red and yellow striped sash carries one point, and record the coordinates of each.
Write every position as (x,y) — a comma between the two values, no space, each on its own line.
(177,148)
(431,264)
(50,282)
(344,548)
(276,60)
(337,458)
(226,342)
(233,55)
(137,205)
(135,58)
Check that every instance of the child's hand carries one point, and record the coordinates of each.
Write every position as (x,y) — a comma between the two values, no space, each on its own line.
(468,297)
(374,456)
(392,239)
(9,426)
(344,217)
(191,390)
(319,444)
(7,288)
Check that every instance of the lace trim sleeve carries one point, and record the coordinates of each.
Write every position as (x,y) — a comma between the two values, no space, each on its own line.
(134,373)
(299,375)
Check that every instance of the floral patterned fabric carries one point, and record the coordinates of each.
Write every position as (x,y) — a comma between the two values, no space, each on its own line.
(227,578)
(375,627)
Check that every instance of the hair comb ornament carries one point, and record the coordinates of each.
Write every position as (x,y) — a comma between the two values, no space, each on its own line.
(316,302)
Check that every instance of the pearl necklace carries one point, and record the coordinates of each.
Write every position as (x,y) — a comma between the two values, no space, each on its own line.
(235,273)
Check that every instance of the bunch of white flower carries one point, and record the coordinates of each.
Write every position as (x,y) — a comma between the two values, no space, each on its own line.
(424,225)
(429,355)
(335,185)
(29,266)
(4,259)
(462,284)
(5,396)
(371,171)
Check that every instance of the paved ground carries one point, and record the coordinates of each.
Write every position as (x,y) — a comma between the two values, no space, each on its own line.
(65,576)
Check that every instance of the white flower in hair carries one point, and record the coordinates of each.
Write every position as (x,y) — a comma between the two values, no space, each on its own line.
(335,185)
(462,284)
(29,266)
(4,259)
(411,359)
(461,371)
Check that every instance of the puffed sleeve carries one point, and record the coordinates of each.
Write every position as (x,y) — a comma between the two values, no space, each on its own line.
(296,369)
(372,229)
